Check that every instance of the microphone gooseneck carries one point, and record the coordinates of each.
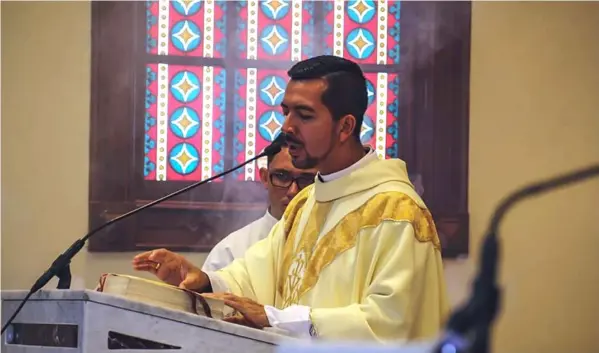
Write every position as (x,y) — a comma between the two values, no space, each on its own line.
(61,265)
(468,329)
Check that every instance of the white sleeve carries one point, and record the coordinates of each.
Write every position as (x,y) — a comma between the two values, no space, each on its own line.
(219,257)
(218,284)
(294,319)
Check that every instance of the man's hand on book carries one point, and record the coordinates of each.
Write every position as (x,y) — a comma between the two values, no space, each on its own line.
(251,313)
(171,268)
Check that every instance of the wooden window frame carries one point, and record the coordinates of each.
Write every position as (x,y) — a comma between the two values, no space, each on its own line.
(433,140)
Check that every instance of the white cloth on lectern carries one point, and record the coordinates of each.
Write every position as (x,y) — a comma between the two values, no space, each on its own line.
(294,319)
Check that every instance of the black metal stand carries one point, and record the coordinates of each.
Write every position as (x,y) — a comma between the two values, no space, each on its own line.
(64,277)
(469,328)
(61,266)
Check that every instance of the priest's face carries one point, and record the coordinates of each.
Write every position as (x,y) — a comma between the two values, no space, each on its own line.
(283,181)
(310,129)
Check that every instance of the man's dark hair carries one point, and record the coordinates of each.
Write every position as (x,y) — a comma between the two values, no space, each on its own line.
(270,157)
(346,85)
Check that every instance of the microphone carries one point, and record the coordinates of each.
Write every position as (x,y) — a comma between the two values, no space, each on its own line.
(61,265)
(468,329)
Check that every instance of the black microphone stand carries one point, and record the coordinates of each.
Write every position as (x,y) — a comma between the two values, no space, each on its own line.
(61,266)
(468,329)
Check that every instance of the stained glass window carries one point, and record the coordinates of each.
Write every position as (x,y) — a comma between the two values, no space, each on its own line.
(185,122)
(364,31)
(258,117)
(216,75)
(187,28)
(276,30)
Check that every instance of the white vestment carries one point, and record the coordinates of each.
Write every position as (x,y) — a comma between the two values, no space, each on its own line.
(356,256)
(235,244)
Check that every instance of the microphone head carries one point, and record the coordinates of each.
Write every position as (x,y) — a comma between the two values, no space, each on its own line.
(276,145)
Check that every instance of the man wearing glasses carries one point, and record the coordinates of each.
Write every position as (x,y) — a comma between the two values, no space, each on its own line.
(282,181)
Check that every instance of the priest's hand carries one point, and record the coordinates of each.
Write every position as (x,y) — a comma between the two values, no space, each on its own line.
(251,314)
(171,268)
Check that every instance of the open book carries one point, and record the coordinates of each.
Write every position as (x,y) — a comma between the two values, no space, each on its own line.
(163,295)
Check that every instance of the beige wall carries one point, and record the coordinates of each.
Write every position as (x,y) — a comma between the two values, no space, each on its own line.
(45,137)
(534,112)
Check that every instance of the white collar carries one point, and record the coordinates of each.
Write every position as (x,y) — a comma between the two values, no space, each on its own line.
(269,216)
(369,156)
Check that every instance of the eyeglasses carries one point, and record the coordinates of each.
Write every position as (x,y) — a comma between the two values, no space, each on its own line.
(285,180)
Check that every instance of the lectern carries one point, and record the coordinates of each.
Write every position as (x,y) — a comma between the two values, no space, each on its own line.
(78,321)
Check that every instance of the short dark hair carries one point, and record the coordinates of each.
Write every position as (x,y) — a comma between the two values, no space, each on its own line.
(346,92)
(270,157)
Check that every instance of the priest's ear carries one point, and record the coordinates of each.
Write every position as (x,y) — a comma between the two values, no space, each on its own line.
(264,176)
(346,126)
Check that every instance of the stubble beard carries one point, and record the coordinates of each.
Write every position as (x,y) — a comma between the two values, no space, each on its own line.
(306,163)
(311,161)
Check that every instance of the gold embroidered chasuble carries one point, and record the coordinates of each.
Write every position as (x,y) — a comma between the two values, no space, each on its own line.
(361,251)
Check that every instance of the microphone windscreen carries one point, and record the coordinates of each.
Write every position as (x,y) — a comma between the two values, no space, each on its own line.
(276,145)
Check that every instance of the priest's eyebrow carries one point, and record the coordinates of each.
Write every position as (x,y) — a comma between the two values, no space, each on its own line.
(298,107)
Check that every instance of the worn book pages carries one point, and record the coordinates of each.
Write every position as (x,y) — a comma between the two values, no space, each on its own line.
(163,295)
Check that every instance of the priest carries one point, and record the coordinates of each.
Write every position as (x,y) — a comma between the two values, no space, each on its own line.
(356,256)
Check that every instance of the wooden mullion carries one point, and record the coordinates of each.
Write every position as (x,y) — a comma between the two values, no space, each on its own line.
(319,21)
(113,139)
(138,99)
(231,18)
(184,60)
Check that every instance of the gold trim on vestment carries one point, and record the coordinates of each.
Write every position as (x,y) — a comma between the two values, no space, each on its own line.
(391,206)
(292,216)
(303,251)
